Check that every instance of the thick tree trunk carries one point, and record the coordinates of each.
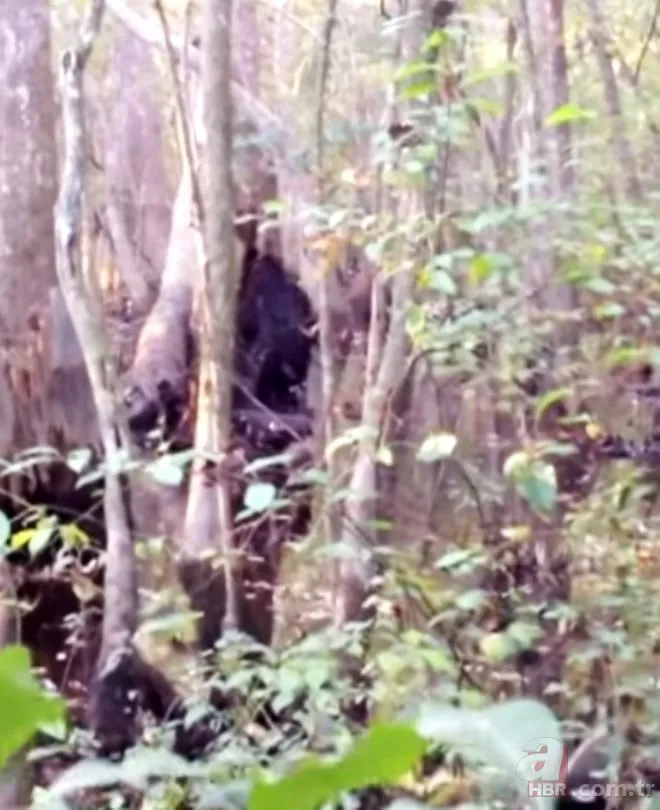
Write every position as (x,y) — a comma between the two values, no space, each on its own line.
(28,187)
(163,351)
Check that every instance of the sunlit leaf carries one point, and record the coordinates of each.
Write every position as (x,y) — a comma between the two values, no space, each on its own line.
(73,535)
(624,356)
(5,529)
(349,438)
(418,89)
(497,735)
(40,539)
(539,487)
(516,462)
(24,706)
(380,757)
(441,281)
(550,398)
(524,633)
(481,267)
(598,284)
(436,39)
(21,538)
(436,447)
(137,769)
(497,646)
(471,600)
(453,559)
(569,114)
(612,309)
(385,456)
(164,472)
(259,496)
(77,460)
(413,68)
(267,461)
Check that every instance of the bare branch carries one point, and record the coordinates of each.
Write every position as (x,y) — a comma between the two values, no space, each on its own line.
(647,41)
(253,107)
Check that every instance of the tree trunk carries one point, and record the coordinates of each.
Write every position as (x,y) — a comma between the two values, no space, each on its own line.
(256,180)
(28,187)
(209,518)
(163,350)
(622,147)
(138,207)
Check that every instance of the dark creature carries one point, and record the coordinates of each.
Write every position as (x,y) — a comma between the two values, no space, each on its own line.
(274,341)
(275,334)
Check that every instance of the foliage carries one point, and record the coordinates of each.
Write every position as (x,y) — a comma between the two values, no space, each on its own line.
(532,551)
(24,707)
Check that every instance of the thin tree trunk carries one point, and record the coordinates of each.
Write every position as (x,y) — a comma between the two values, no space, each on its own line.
(385,362)
(559,91)
(622,147)
(123,681)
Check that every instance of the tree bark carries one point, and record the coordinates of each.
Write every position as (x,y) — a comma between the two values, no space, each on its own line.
(209,518)
(28,188)
(622,146)
(123,682)
(138,204)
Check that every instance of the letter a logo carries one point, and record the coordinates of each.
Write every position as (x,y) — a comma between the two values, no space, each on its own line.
(545,761)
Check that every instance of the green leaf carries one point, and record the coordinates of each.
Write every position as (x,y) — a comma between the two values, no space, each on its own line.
(598,284)
(164,472)
(442,282)
(416,67)
(471,600)
(497,646)
(516,463)
(481,267)
(267,461)
(418,89)
(539,487)
(497,735)
(77,460)
(436,447)
(259,496)
(624,356)
(5,529)
(550,398)
(455,558)
(610,310)
(569,114)
(384,754)
(524,634)
(350,437)
(435,39)
(139,766)
(535,480)
(24,706)
(41,537)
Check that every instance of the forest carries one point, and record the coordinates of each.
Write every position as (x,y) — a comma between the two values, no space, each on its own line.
(330,405)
